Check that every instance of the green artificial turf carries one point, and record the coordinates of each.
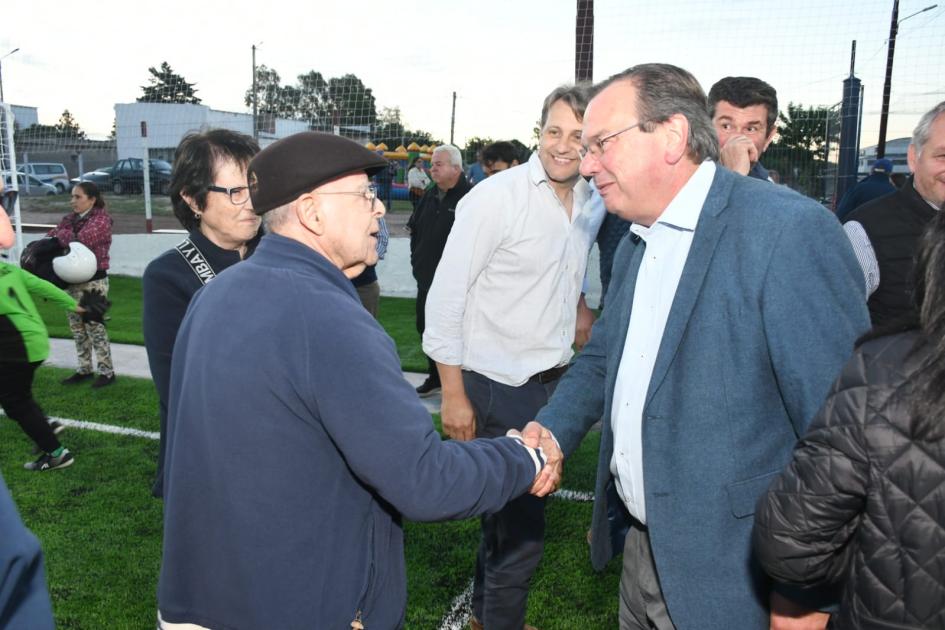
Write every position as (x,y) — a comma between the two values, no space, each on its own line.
(101,529)
(396,315)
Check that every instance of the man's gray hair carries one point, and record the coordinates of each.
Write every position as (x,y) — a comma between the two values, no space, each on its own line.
(277,217)
(924,129)
(456,158)
(665,90)
(576,96)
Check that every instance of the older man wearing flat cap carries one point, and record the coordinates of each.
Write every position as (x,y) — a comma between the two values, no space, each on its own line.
(295,446)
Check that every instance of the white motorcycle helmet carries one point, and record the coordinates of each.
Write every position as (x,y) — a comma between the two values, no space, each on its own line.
(77,265)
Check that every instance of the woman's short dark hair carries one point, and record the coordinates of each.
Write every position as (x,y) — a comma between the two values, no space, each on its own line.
(197,158)
(91,190)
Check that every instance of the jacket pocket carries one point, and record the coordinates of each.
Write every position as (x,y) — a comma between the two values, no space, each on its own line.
(743,495)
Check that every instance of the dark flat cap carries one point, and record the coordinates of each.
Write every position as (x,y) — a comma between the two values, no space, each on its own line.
(303,161)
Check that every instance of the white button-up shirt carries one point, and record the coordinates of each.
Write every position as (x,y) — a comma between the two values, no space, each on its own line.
(504,298)
(667,246)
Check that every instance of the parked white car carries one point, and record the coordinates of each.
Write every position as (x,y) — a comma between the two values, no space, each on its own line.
(54,173)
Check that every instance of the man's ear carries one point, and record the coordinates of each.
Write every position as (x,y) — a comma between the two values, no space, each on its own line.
(676,135)
(311,213)
(770,138)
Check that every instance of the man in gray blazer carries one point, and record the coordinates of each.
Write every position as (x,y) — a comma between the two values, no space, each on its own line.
(732,307)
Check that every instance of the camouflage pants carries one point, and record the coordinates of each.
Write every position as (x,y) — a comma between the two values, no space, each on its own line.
(90,336)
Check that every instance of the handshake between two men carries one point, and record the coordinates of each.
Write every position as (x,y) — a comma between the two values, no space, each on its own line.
(549,478)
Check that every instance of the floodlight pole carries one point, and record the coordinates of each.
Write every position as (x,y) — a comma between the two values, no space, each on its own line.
(453,119)
(584,42)
(1,72)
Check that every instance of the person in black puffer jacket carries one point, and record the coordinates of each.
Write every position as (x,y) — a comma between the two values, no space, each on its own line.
(862,503)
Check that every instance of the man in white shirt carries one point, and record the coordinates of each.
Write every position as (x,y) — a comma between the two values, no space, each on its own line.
(500,320)
(732,307)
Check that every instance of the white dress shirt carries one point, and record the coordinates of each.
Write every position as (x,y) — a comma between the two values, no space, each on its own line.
(667,247)
(504,298)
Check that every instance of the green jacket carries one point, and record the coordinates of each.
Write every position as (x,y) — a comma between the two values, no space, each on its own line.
(22,330)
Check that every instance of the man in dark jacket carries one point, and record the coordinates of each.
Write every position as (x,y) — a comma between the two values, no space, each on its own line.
(429,227)
(873,186)
(885,231)
(295,446)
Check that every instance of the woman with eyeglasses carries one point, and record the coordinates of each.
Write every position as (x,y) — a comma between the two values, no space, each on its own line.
(210,197)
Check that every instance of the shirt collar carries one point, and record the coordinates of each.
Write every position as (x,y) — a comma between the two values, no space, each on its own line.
(683,211)
(537,176)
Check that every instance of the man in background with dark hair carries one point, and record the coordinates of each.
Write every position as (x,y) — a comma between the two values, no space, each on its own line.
(498,156)
(744,111)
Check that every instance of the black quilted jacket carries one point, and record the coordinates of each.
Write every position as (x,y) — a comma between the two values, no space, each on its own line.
(862,503)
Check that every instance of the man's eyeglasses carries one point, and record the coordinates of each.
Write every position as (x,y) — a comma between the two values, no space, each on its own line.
(597,147)
(238,195)
(369,193)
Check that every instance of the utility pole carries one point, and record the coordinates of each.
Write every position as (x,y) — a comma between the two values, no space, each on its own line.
(894,23)
(453,119)
(255,99)
(584,42)
(1,72)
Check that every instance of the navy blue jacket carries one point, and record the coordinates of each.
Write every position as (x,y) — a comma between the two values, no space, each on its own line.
(768,306)
(294,446)
(24,601)
(871,187)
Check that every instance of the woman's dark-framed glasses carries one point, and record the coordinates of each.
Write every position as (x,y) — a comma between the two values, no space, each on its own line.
(238,195)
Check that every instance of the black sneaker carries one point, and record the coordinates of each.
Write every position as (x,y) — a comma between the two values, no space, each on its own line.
(57,428)
(428,388)
(103,380)
(48,462)
(76,378)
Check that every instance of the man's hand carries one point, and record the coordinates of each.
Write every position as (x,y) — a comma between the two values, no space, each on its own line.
(584,323)
(458,417)
(738,154)
(786,615)
(549,478)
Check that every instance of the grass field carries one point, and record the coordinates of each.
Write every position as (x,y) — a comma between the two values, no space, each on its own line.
(101,529)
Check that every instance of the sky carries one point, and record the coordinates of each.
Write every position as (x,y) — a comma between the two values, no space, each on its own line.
(501,56)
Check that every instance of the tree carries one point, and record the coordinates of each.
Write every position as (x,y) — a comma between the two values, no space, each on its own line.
(167,87)
(274,98)
(67,128)
(472,148)
(799,152)
(352,103)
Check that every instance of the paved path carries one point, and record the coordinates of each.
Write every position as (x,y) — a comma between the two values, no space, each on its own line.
(130,360)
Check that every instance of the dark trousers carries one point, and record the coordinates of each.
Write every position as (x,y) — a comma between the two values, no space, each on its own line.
(642,606)
(421,325)
(513,538)
(16,398)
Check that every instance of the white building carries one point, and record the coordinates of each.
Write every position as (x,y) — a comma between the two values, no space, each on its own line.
(25,116)
(167,123)
(895,152)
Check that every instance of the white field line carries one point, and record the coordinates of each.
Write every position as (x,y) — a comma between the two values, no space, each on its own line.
(108,428)
(461,608)
(460,611)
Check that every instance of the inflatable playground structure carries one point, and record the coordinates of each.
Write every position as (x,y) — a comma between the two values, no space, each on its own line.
(400,158)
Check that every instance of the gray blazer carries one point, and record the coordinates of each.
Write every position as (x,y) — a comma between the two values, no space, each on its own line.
(769,304)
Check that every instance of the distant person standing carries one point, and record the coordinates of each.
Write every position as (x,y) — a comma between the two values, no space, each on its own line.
(875,185)
(497,157)
(417,181)
(429,227)
(90,224)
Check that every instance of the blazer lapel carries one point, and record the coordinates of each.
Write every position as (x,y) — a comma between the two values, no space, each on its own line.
(623,302)
(704,241)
